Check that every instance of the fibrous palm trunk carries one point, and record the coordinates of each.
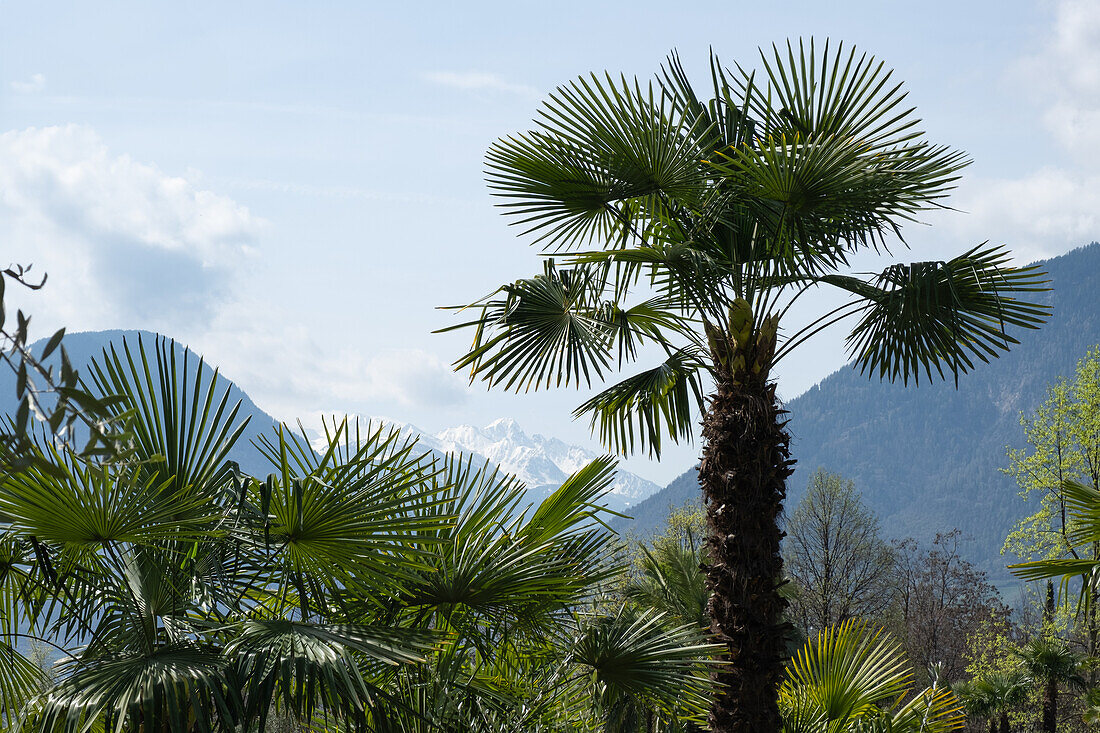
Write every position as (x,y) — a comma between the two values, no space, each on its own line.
(1050,705)
(743,472)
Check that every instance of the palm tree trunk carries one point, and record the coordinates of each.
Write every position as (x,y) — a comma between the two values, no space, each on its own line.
(1050,706)
(743,472)
(1004,723)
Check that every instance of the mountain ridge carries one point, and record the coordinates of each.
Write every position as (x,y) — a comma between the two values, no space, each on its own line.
(541,462)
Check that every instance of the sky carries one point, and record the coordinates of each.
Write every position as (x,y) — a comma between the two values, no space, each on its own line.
(293,189)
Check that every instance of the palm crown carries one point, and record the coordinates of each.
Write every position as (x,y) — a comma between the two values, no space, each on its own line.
(722,212)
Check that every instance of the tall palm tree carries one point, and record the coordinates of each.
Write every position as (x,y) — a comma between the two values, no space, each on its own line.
(1050,663)
(683,228)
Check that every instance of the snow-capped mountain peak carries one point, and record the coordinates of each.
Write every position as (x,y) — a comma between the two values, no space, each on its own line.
(540,462)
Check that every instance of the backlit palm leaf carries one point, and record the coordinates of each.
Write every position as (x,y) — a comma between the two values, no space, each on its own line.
(642,657)
(852,679)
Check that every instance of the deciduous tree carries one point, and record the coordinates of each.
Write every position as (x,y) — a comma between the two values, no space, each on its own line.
(841,567)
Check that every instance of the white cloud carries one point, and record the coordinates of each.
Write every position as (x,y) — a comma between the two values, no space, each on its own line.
(1047,211)
(476,81)
(392,377)
(36,83)
(1040,215)
(123,242)
(1065,77)
(127,245)
(293,376)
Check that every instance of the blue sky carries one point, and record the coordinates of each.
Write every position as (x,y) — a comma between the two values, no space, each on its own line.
(292,189)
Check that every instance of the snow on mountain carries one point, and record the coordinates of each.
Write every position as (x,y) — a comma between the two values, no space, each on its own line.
(540,462)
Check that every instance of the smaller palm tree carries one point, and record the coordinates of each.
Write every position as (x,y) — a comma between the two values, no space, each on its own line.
(669,579)
(851,678)
(976,701)
(1050,662)
(995,695)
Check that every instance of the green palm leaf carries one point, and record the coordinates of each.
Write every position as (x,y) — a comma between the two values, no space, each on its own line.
(640,656)
(184,426)
(645,406)
(941,316)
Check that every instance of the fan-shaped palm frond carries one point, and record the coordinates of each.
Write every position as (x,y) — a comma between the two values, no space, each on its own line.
(647,405)
(851,676)
(941,316)
(184,424)
(640,657)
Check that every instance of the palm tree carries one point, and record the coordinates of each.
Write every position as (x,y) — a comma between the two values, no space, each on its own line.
(1050,662)
(977,701)
(1002,692)
(363,585)
(685,228)
(853,679)
(668,579)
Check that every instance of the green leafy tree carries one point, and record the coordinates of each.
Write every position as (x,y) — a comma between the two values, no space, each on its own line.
(1063,436)
(685,226)
(667,575)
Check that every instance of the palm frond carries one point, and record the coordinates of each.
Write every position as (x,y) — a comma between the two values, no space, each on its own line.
(604,162)
(184,425)
(544,331)
(851,676)
(639,656)
(645,407)
(941,316)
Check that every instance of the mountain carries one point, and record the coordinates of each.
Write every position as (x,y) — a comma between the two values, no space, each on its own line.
(84,346)
(540,462)
(929,458)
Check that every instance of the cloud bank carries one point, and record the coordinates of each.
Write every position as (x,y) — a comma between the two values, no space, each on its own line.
(36,83)
(123,241)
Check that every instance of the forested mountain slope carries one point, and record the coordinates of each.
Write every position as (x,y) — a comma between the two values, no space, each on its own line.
(928,459)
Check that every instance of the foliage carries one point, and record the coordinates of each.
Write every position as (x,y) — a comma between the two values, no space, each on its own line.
(51,394)
(853,679)
(362,585)
(1063,436)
